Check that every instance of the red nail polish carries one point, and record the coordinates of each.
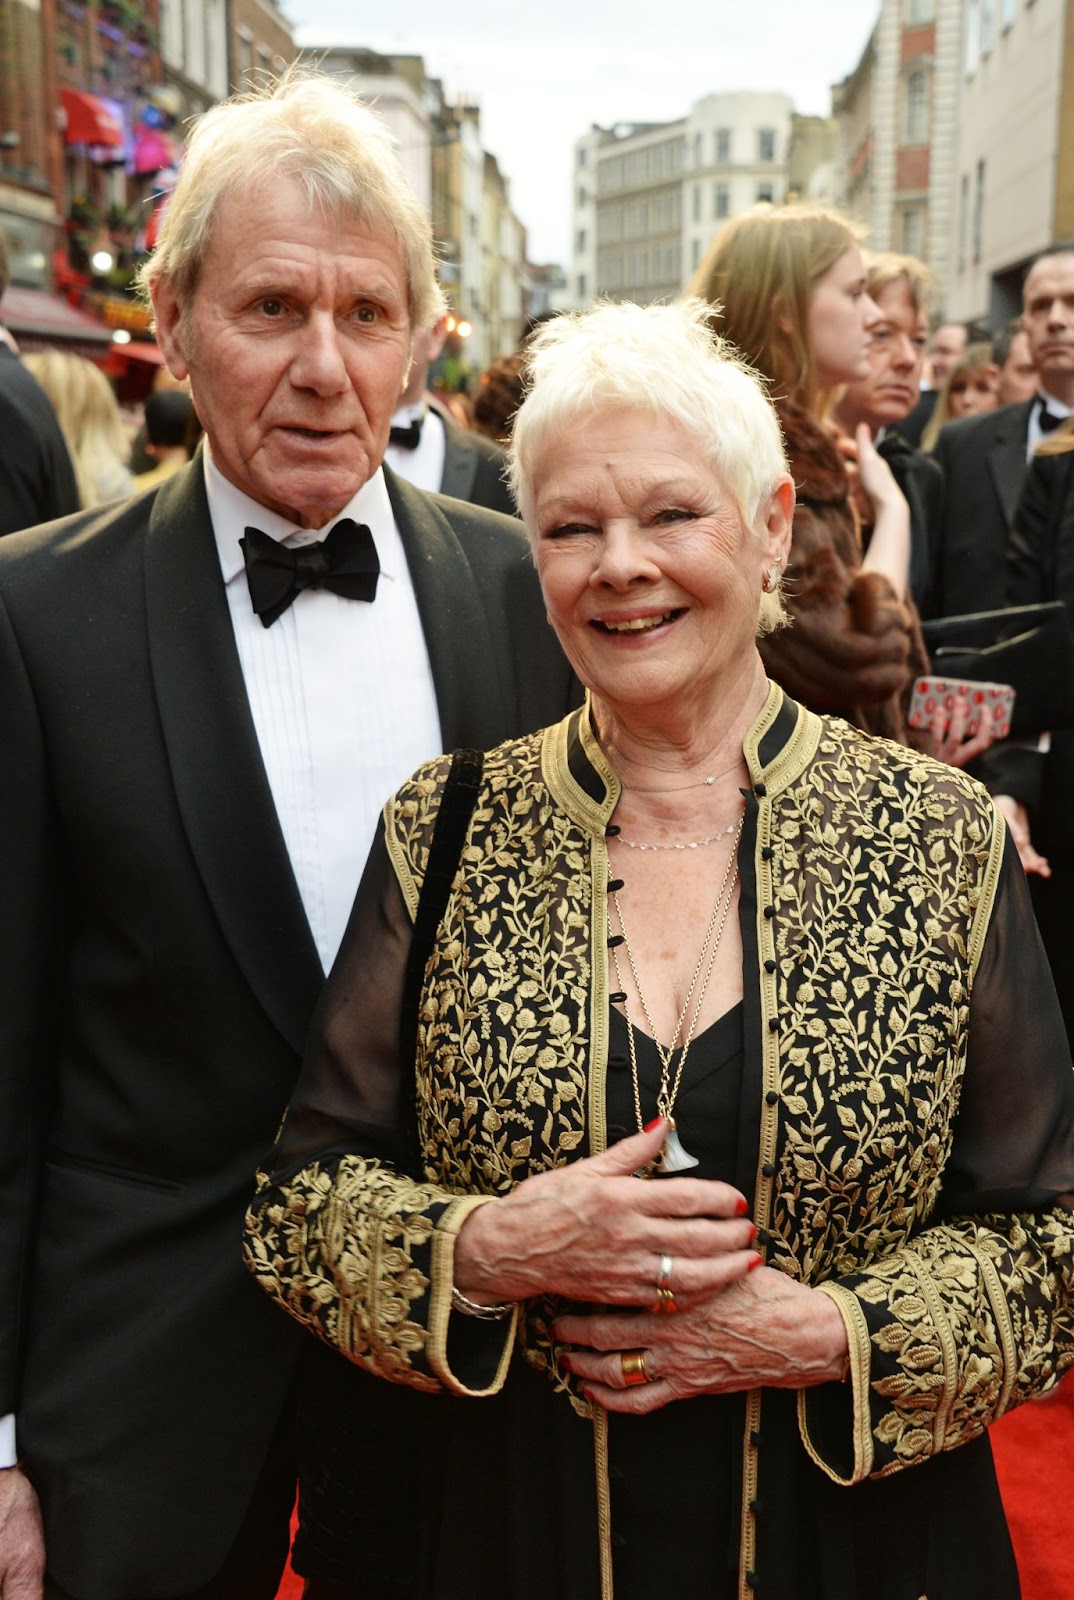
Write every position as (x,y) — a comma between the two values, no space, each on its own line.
(741,1207)
(755,1261)
(649,1126)
(753,1231)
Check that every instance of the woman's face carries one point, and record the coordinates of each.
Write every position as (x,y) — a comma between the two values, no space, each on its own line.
(650,577)
(838,321)
(973,392)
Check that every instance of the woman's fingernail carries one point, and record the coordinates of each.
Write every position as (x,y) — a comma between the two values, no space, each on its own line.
(755,1261)
(649,1126)
(741,1207)
(753,1230)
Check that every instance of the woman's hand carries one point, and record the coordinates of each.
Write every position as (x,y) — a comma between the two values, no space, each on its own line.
(591,1231)
(1018,822)
(764,1329)
(946,734)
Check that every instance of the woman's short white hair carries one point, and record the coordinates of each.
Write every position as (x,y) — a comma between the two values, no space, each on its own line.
(306,127)
(664,359)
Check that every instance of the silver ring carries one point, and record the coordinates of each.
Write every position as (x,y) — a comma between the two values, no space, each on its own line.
(663,1272)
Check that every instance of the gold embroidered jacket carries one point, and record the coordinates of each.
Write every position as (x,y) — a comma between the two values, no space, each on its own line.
(908,1162)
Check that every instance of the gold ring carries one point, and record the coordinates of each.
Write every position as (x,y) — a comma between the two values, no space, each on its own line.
(664,1302)
(632,1366)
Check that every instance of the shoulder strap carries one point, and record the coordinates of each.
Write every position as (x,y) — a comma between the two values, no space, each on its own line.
(449,835)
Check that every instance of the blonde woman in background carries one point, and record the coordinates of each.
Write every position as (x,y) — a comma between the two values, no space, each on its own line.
(972,386)
(90,422)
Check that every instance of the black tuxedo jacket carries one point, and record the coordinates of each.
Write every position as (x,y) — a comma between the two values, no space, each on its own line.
(159,976)
(984,464)
(37,480)
(473,469)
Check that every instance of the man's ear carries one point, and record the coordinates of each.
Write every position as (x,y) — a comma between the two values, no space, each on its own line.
(168,322)
(782,319)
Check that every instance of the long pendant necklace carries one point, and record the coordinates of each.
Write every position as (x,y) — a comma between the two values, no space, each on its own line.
(674,1157)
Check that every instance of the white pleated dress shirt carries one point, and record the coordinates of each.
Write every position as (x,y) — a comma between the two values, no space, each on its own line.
(341,694)
(424,465)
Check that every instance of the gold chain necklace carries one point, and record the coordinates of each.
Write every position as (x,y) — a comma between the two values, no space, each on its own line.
(674,1158)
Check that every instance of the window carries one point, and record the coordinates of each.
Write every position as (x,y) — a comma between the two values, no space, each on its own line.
(699,154)
(917,11)
(917,109)
(765,194)
(913,231)
(1008,12)
(583,156)
(721,201)
(766,144)
(963,220)
(978,212)
(695,255)
(723,145)
(579,241)
(988,27)
(582,195)
(581,286)
(973,37)
(244,54)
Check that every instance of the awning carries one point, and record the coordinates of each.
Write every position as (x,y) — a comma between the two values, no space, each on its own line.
(87,120)
(36,318)
(140,350)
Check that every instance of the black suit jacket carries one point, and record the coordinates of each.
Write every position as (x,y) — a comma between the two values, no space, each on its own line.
(473,469)
(37,480)
(159,977)
(984,463)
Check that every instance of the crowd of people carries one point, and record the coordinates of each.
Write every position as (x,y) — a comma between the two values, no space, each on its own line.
(676,1172)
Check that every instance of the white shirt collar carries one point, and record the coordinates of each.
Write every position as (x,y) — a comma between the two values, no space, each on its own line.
(231,511)
(1058,408)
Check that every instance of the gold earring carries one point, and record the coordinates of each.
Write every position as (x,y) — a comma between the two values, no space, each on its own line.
(772,577)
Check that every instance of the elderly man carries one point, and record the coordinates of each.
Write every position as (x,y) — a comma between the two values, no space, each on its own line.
(208,692)
(984,457)
(946,346)
(899,287)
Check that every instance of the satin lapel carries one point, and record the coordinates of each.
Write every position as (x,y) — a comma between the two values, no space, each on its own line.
(471,694)
(1007,456)
(219,777)
(460,464)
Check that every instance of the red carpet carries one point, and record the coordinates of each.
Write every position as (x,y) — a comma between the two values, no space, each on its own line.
(1034,1450)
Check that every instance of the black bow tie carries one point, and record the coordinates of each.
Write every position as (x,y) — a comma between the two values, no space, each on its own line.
(345,562)
(1047,421)
(407,438)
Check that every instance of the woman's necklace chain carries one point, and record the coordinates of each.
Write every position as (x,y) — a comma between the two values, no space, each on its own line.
(702,783)
(703,970)
(689,844)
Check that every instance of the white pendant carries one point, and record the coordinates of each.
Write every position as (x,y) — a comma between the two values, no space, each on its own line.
(673,1158)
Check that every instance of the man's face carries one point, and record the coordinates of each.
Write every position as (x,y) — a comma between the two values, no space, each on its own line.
(1018,374)
(896,356)
(948,343)
(296,341)
(1048,321)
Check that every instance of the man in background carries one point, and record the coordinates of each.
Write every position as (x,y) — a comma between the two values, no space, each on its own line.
(1017,379)
(37,480)
(947,344)
(434,453)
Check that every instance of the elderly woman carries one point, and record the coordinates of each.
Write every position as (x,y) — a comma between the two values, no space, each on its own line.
(712,1100)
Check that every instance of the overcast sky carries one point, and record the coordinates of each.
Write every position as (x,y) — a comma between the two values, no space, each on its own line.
(543,70)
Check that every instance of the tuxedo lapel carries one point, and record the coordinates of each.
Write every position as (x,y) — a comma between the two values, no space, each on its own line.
(472,697)
(1007,456)
(460,464)
(219,777)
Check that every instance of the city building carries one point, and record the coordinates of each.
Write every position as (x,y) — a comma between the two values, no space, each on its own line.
(1013,180)
(648,197)
(480,241)
(262,44)
(194,52)
(897,115)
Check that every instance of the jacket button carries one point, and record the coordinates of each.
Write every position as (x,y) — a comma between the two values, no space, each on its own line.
(770,912)
(770,965)
(773,1024)
(760,791)
(771,1098)
(767,853)
(769,1169)
(614,885)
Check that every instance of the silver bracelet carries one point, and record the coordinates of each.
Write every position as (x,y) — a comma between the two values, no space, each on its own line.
(471,1308)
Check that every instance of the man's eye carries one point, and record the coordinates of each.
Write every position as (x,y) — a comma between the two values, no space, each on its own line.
(272,307)
(366,314)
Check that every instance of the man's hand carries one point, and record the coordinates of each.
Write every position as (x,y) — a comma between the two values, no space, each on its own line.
(22,1538)
(1018,822)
